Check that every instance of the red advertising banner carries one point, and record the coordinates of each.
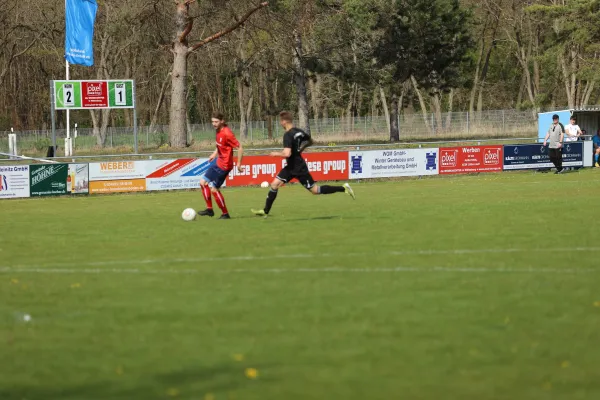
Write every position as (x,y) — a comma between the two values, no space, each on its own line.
(463,160)
(170,168)
(257,169)
(94,94)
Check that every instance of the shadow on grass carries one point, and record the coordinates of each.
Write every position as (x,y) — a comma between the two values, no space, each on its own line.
(189,383)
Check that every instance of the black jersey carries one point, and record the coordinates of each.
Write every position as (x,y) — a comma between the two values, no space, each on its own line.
(294,139)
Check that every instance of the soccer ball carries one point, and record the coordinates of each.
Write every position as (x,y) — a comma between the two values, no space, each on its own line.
(189,214)
(264,184)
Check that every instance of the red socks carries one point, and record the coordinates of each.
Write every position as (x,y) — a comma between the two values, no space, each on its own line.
(206,194)
(220,202)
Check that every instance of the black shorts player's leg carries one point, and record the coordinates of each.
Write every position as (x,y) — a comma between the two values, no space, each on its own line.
(331,189)
(271,196)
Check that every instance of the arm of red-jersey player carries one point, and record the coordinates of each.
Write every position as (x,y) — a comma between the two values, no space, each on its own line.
(240,154)
(234,143)
(213,156)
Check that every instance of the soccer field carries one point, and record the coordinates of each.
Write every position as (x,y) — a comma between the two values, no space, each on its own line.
(473,287)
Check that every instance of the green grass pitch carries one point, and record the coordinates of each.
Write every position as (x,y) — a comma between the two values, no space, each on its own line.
(473,287)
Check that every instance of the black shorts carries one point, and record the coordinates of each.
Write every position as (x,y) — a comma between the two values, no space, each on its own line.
(305,178)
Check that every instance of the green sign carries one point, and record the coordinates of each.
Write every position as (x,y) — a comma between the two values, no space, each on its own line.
(67,94)
(48,179)
(120,94)
(59,179)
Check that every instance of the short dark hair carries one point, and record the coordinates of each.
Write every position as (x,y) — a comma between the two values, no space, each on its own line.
(573,118)
(555,116)
(218,115)
(286,116)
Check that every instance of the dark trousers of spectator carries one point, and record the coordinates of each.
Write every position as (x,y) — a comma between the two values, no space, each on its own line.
(556,158)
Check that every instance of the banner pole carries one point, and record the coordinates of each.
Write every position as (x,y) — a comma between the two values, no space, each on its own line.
(68,75)
(53,117)
(135,122)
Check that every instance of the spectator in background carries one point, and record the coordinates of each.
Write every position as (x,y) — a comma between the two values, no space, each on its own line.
(583,135)
(596,140)
(572,131)
(556,134)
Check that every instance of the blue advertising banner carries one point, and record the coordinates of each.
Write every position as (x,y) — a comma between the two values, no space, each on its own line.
(80,18)
(528,156)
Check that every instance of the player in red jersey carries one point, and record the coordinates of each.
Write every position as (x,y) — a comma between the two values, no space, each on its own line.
(216,174)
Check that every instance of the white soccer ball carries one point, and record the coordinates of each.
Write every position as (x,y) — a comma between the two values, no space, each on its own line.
(264,184)
(26,317)
(189,214)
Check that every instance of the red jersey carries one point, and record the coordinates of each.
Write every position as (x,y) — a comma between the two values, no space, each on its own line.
(226,142)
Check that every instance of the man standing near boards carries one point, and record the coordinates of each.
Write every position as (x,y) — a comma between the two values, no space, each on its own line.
(556,134)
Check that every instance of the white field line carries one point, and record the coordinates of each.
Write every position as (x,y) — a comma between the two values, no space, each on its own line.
(87,267)
(135,271)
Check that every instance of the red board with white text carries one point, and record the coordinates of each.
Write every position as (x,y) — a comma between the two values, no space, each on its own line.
(464,160)
(257,169)
(94,94)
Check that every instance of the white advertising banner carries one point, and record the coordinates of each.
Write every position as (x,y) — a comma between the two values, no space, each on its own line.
(117,170)
(176,174)
(14,181)
(393,163)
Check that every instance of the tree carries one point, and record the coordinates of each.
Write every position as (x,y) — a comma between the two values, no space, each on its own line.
(573,45)
(426,42)
(181,51)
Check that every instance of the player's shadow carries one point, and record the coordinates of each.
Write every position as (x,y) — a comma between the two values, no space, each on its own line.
(192,382)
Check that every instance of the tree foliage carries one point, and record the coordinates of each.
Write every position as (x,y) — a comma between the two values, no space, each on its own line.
(359,57)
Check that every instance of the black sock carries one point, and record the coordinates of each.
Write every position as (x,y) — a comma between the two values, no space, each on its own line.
(331,189)
(270,200)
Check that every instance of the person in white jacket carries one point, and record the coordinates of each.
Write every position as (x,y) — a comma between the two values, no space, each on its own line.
(572,131)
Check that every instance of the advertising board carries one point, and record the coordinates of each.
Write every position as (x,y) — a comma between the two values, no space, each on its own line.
(176,174)
(393,163)
(469,159)
(14,181)
(327,166)
(528,156)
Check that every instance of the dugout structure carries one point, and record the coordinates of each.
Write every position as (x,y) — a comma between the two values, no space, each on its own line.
(588,119)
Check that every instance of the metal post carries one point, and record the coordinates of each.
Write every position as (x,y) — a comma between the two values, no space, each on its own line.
(467,122)
(12,144)
(52,100)
(135,132)
(503,123)
(135,122)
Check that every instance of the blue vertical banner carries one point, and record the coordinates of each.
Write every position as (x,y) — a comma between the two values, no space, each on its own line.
(80,18)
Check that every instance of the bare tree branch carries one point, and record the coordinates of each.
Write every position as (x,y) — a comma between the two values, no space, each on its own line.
(233,27)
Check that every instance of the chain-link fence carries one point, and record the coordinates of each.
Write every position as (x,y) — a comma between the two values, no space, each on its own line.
(498,123)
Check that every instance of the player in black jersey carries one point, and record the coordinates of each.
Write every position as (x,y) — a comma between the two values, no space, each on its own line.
(295,141)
